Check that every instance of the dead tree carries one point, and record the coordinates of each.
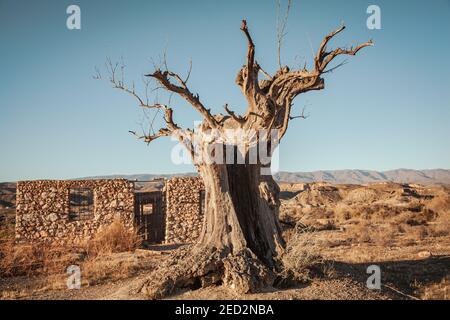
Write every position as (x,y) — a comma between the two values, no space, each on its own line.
(241,242)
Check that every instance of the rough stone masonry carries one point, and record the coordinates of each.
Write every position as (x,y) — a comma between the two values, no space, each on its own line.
(43,209)
(184,214)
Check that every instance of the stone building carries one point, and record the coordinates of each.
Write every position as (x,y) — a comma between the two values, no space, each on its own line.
(61,211)
(184,209)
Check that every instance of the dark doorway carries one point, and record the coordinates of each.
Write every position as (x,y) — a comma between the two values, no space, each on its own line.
(149,216)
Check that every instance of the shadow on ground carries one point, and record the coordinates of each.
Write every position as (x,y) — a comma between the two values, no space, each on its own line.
(405,276)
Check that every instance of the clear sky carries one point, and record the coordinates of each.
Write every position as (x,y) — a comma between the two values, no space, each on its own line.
(389,107)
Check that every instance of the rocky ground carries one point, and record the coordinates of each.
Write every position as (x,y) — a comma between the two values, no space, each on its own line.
(403,229)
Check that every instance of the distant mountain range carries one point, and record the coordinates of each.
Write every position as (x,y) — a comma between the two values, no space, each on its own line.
(432,176)
(141,177)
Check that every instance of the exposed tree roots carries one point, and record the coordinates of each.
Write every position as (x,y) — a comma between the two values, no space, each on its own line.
(195,267)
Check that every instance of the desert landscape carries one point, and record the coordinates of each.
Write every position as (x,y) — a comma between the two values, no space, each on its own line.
(306,154)
(334,231)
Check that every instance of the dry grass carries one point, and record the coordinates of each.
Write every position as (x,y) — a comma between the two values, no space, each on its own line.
(111,239)
(101,263)
(97,258)
(382,224)
(302,261)
(33,259)
(437,291)
(393,229)
(16,260)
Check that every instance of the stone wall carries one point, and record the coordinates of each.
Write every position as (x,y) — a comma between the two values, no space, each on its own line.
(42,209)
(184,219)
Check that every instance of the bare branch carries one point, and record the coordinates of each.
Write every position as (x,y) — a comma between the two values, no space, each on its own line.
(172,129)
(265,73)
(119,84)
(323,58)
(323,46)
(335,67)
(189,72)
(251,45)
(163,77)
(97,75)
(291,83)
(281,28)
(302,115)
(237,118)
(185,136)
(149,138)
(248,75)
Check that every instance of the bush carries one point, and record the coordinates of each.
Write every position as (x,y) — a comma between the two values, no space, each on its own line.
(44,259)
(115,237)
(33,259)
(301,260)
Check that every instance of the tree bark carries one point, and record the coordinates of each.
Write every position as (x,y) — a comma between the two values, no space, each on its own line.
(240,242)
(241,211)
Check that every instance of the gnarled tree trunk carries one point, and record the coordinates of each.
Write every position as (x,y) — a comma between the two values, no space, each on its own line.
(241,242)
(241,211)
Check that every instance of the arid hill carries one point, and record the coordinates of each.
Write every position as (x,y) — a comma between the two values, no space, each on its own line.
(417,204)
(7,195)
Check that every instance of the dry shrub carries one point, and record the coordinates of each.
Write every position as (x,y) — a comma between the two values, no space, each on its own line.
(102,261)
(437,291)
(17,260)
(420,232)
(382,235)
(301,260)
(361,232)
(29,259)
(441,201)
(440,230)
(108,267)
(441,226)
(108,256)
(402,217)
(385,235)
(343,213)
(33,259)
(44,259)
(115,237)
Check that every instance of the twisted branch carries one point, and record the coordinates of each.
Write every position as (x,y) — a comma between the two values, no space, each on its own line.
(233,115)
(248,75)
(163,77)
(323,58)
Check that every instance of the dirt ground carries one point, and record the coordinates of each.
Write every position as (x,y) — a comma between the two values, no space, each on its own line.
(403,229)
(340,287)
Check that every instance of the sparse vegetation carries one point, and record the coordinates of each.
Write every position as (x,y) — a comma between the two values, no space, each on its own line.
(302,260)
(106,257)
(407,235)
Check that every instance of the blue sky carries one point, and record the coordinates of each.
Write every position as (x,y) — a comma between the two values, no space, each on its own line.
(389,107)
